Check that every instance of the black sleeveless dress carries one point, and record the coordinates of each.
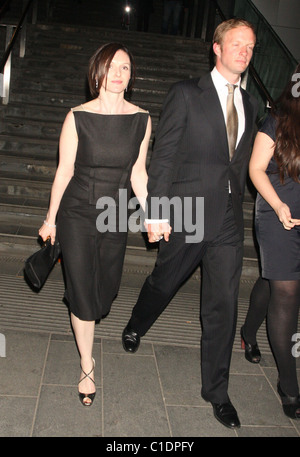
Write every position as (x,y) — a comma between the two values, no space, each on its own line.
(279,248)
(93,247)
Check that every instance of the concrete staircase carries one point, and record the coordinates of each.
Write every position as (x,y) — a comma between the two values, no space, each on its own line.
(45,85)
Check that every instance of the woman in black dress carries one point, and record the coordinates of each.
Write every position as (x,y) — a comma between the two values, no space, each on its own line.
(102,153)
(275,171)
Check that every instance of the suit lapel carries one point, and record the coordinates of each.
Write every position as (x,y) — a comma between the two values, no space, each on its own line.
(248,111)
(212,109)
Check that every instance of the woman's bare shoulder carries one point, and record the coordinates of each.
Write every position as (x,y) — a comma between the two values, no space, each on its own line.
(131,108)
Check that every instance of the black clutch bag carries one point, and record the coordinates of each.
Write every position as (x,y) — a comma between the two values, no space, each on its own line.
(38,265)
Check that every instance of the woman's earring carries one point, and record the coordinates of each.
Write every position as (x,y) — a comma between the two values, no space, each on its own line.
(96,83)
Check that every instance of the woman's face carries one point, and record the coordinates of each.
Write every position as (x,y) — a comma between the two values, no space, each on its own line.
(119,73)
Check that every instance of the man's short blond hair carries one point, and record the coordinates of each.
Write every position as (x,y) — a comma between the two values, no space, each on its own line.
(225,26)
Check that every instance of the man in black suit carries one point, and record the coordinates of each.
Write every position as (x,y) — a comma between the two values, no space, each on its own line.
(192,159)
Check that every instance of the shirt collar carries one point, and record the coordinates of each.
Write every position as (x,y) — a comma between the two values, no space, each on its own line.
(219,80)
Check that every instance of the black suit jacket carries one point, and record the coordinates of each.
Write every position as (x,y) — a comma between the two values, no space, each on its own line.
(191,157)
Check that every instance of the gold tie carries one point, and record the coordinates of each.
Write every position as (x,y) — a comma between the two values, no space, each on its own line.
(232,120)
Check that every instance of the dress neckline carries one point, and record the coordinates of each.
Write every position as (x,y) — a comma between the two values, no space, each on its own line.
(113,114)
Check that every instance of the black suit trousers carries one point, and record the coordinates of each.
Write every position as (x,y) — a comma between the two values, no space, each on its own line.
(221,266)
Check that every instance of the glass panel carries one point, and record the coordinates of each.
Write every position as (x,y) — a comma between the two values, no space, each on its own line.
(272,60)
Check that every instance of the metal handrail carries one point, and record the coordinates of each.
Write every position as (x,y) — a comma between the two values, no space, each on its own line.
(15,35)
(12,32)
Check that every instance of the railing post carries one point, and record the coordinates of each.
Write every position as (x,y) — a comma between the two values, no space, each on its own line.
(34,12)
(205,21)
(50,7)
(7,68)
(194,20)
(23,33)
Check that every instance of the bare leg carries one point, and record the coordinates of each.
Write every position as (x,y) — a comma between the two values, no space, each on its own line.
(84,334)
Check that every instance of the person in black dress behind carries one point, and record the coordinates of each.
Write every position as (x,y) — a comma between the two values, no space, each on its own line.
(103,148)
(275,172)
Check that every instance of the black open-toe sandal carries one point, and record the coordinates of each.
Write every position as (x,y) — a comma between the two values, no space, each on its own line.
(87,399)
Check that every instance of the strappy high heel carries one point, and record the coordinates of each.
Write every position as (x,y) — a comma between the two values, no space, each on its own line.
(87,399)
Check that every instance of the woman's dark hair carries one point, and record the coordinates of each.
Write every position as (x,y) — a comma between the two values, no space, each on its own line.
(287,143)
(99,65)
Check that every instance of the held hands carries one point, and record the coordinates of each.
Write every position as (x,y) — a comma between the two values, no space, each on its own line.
(48,231)
(284,215)
(158,231)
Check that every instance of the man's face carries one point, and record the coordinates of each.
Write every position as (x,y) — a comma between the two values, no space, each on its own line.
(234,54)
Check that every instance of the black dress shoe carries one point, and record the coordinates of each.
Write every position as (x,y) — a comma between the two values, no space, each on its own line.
(226,414)
(130,339)
(290,405)
(252,352)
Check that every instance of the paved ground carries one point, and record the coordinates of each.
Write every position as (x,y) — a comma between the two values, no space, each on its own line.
(154,393)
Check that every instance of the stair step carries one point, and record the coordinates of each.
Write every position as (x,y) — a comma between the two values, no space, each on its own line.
(71,84)
(24,221)
(140,96)
(14,165)
(80,35)
(45,129)
(20,210)
(24,146)
(60,39)
(36,188)
(69,81)
(35,111)
(183,68)
(24,187)
(146,68)
(145,259)
(13,203)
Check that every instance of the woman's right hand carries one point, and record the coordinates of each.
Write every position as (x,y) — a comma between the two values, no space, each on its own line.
(284,215)
(47,231)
